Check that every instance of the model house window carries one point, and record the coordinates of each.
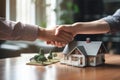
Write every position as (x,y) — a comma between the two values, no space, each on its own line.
(77,52)
(91,59)
(73,58)
(81,60)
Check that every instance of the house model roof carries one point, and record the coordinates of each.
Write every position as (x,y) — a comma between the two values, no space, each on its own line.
(80,48)
(91,48)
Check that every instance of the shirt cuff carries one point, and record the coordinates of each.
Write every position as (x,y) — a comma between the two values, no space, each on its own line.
(113,23)
(29,32)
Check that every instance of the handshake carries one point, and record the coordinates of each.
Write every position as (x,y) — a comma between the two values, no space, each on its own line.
(58,36)
(63,34)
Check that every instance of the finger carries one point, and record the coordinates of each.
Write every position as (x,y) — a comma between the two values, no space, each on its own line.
(56,43)
(68,36)
(57,31)
(59,44)
(65,37)
(48,42)
(63,45)
(53,42)
(60,28)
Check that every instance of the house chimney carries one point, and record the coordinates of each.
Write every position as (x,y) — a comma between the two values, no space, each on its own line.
(88,40)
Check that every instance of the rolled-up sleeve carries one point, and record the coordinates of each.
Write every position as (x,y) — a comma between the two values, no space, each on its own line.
(10,30)
(114,21)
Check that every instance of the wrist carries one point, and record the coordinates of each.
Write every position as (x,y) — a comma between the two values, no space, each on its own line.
(41,33)
(77,27)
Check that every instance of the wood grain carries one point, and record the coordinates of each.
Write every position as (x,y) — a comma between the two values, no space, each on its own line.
(16,69)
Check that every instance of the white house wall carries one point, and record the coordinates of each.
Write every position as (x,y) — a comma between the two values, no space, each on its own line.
(74,63)
(84,61)
(97,62)
(77,63)
(92,63)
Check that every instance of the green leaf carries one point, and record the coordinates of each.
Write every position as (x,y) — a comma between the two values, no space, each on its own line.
(41,51)
(35,57)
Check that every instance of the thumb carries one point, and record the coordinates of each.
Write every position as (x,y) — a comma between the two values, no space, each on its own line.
(58,30)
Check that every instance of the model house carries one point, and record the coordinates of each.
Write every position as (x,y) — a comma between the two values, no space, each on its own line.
(84,53)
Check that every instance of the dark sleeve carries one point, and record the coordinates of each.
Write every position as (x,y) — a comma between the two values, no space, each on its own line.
(114,21)
(10,30)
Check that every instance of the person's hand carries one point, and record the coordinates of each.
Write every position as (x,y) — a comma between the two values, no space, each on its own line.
(69,29)
(49,36)
(66,28)
(61,44)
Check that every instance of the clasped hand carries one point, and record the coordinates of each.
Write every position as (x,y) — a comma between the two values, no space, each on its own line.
(62,35)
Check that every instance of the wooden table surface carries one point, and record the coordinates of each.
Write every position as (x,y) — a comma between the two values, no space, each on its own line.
(16,69)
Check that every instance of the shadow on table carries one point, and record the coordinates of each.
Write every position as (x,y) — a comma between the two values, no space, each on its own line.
(112,65)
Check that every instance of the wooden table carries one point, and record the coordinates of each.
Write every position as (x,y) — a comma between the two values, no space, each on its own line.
(16,69)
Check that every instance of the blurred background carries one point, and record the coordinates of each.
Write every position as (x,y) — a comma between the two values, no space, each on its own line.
(48,13)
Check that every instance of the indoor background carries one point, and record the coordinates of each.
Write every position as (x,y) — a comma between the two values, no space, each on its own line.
(48,13)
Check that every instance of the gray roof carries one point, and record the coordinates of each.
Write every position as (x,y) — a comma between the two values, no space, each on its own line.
(82,49)
(91,48)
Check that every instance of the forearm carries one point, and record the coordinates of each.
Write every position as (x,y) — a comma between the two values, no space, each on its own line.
(10,30)
(43,33)
(94,27)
